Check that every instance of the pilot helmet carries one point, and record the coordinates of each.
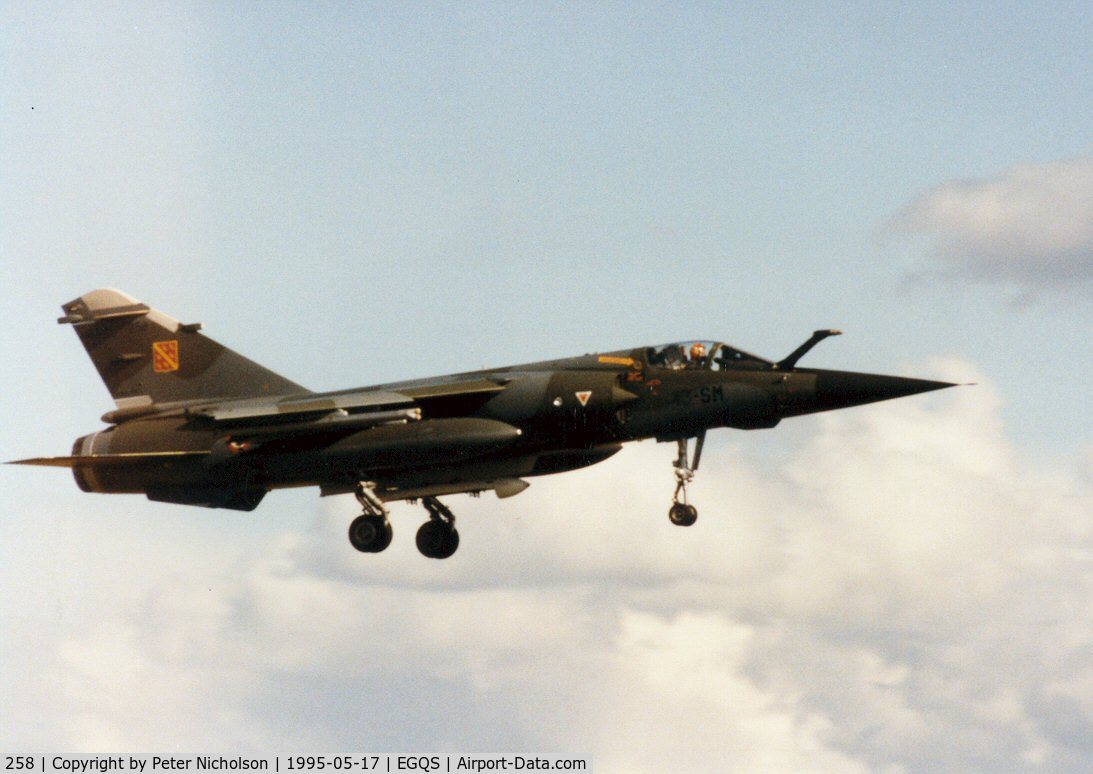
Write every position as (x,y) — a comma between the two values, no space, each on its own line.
(698,350)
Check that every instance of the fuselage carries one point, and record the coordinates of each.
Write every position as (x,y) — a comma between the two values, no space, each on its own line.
(473,431)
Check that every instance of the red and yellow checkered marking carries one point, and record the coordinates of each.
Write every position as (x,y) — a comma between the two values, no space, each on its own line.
(165,356)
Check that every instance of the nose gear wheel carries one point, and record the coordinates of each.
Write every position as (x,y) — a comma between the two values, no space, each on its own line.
(681,513)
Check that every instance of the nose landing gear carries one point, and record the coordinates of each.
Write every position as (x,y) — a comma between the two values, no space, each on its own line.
(683,514)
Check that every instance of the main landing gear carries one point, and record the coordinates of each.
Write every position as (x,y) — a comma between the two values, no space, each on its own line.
(371,532)
(682,514)
(437,538)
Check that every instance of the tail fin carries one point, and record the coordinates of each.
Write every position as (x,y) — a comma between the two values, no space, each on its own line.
(145,356)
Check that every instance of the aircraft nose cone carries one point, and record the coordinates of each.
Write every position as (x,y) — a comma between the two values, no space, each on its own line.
(839,389)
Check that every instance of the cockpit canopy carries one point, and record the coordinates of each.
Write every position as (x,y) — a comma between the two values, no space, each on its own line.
(703,355)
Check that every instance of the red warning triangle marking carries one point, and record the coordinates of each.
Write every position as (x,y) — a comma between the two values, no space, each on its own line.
(583,396)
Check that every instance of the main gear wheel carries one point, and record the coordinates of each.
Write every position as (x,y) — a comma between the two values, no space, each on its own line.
(437,538)
(370,534)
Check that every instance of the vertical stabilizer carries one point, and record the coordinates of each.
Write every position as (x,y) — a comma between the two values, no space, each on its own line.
(145,356)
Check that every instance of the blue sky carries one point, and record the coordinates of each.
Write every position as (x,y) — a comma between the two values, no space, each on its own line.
(615,175)
(352,194)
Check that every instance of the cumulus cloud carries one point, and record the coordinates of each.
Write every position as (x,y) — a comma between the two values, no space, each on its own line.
(1031,226)
(902,593)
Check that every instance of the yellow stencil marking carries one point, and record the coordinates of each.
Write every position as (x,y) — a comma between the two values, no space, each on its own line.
(616,360)
(165,356)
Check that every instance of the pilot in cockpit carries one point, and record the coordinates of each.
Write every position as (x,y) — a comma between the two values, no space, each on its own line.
(698,355)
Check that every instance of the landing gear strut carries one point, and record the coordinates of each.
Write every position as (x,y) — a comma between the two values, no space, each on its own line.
(437,538)
(682,514)
(370,532)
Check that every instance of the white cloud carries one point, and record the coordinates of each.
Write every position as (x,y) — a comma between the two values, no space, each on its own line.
(904,593)
(1032,225)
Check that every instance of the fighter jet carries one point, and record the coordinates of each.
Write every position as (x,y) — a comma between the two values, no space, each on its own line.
(198,424)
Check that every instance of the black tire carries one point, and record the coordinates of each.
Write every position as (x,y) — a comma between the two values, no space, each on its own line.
(437,540)
(683,515)
(370,534)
